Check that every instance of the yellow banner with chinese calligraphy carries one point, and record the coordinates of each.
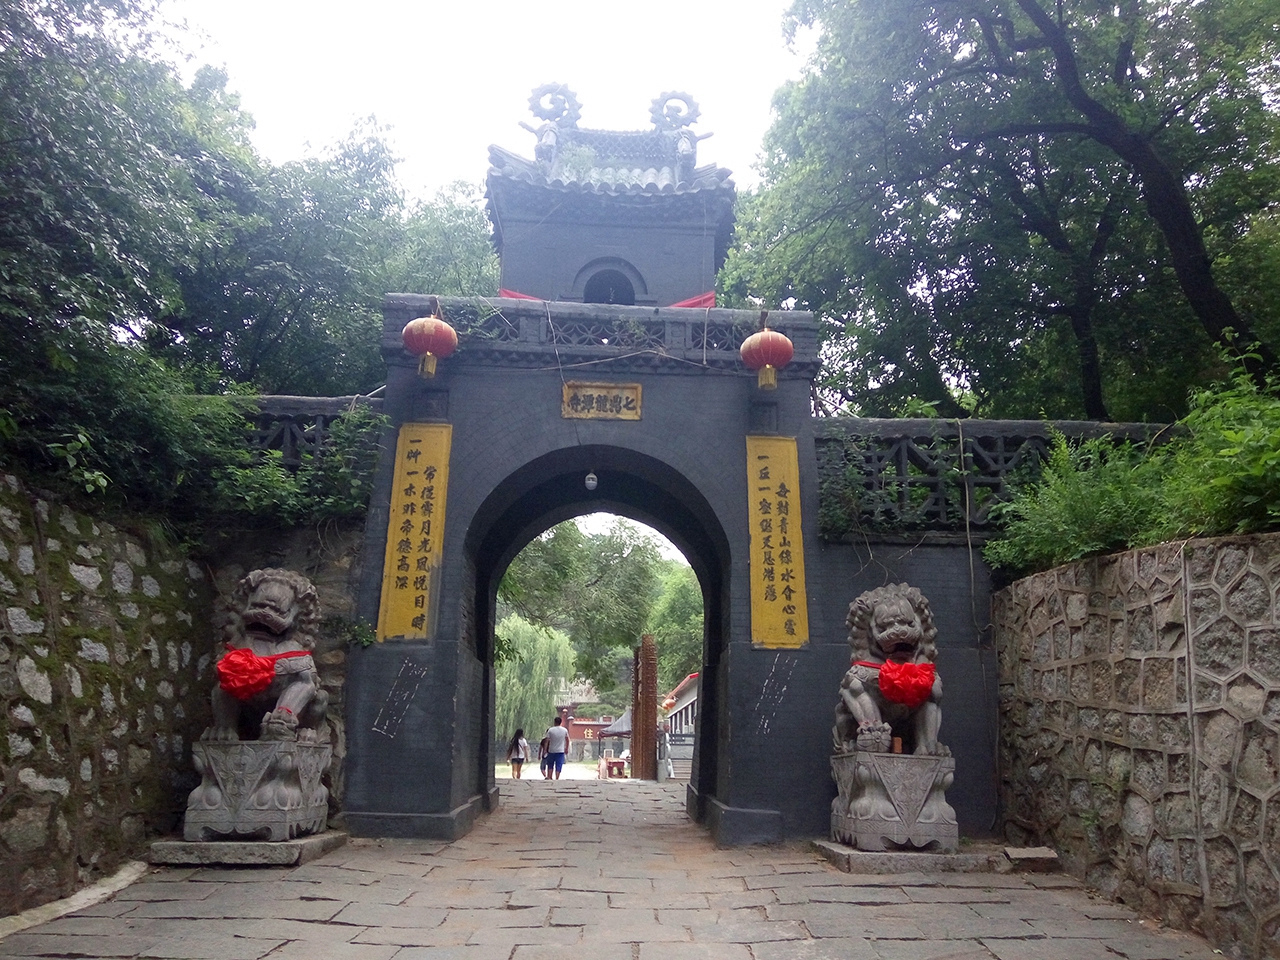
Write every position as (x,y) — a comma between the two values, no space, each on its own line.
(415,533)
(600,401)
(779,602)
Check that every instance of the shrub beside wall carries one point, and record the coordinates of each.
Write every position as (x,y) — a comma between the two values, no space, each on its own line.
(1140,729)
(105,653)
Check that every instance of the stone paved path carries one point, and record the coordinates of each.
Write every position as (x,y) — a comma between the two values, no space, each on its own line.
(582,870)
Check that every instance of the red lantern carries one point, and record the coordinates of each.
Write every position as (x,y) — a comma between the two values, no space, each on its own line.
(767,352)
(429,338)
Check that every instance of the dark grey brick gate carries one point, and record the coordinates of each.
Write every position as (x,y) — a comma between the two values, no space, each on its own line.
(420,712)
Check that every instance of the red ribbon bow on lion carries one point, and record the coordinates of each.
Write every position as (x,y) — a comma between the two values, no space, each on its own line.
(242,673)
(906,683)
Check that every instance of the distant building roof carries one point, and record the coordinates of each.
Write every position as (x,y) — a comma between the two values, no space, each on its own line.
(684,684)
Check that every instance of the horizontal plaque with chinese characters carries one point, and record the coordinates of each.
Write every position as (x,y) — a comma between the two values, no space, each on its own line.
(779,602)
(415,532)
(601,401)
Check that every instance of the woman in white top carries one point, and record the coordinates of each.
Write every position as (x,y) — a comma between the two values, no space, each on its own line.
(517,753)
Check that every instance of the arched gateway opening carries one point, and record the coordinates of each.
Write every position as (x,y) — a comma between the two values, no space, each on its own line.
(677,435)
(639,487)
(667,434)
(494,446)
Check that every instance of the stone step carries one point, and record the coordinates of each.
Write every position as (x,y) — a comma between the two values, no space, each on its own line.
(246,852)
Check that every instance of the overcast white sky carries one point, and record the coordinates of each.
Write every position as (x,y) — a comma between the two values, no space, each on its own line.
(450,78)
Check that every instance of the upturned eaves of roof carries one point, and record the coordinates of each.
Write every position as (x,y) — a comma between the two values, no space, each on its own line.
(609,180)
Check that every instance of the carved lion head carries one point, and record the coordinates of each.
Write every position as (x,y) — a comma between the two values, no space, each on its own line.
(278,606)
(892,623)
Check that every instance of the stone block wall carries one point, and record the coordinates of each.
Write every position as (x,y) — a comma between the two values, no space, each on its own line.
(1140,730)
(105,661)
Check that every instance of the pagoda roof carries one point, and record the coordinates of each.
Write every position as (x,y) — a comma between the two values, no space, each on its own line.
(624,173)
(579,175)
(570,159)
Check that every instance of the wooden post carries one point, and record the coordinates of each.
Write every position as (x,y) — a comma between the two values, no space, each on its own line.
(644,712)
(635,711)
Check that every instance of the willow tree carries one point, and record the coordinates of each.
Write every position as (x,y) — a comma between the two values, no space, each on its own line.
(597,588)
(536,663)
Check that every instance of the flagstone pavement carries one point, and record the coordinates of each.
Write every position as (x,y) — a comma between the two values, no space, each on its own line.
(596,870)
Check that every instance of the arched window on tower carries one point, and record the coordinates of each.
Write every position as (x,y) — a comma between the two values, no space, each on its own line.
(609,286)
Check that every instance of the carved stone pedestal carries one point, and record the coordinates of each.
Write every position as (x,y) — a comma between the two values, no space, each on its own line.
(890,801)
(258,790)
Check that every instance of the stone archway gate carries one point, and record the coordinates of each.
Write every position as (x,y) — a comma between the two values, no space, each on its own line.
(509,409)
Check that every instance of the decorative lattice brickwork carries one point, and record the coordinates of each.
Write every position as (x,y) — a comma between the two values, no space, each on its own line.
(881,475)
(885,475)
(298,427)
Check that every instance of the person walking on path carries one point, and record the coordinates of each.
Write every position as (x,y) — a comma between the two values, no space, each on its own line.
(542,758)
(517,753)
(557,746)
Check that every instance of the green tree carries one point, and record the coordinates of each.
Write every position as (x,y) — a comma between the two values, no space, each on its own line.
(87,185)
(1250,268)
(542,574)
(1217,472)
(133,209)
(526,681)
(1001,209)
(676,625)
(597,588)
(444,247)
(95,204)
(119,187)
(281,289)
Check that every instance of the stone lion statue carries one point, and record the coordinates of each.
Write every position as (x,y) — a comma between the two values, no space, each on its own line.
(891,689)
(268,687)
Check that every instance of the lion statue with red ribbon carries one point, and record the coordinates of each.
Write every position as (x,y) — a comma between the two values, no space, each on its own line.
(268,687)
(891,691)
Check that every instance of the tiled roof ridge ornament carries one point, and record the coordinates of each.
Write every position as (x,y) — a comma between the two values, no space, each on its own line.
(660,160)
(673,110)
(557,106)
(556,103)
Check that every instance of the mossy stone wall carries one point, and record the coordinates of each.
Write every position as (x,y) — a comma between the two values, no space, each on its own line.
(105,657)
